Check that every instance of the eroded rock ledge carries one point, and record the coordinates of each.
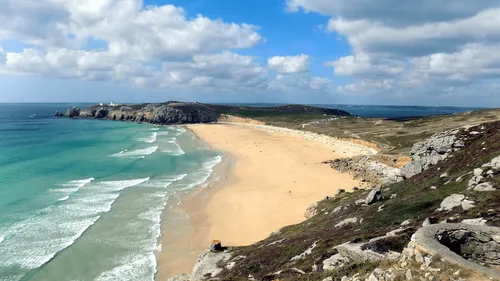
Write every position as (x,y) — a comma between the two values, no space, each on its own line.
(469,246)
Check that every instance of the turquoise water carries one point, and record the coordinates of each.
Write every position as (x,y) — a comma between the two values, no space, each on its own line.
(82,199)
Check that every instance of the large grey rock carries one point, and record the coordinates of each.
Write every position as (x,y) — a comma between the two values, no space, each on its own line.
(485,186)
(73,112)
(374,196)
(334,262)
(456,200)
(431,151)
(207,265)
(58,113)
(356,252)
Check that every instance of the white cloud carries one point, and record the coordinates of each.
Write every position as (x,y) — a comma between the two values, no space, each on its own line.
(293,74)
(289,64)
(422,48)
(362,65)
(394,12)
(153,46)
(418,40)
(154,33)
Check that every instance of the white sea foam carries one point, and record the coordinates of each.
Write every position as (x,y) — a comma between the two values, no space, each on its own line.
(137,153)
(201,176)
(154,129)
(71,187)
(150,139)
(120,185)
(64,198)
(1,239)
(164,182)
(134,267)
(177,131)
(174,149)
(34,241)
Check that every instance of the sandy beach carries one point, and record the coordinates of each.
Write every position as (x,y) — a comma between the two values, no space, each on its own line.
(267,180)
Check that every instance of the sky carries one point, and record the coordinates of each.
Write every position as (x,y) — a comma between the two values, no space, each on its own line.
(397,52)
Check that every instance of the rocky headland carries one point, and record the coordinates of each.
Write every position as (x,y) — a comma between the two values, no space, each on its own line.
(187,112)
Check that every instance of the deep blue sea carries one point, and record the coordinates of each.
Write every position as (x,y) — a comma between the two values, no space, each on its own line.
(82,199)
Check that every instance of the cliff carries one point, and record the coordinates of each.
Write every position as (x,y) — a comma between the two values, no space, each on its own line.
(180,113)
(442,222)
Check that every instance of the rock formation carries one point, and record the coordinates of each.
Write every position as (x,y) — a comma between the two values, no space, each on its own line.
(364,167)
(73,112)
(181,113)
(432,150)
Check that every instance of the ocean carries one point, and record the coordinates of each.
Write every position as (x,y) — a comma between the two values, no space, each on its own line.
(82,199)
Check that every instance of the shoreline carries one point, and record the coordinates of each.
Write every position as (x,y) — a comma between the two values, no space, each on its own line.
(233,208)
(182,246)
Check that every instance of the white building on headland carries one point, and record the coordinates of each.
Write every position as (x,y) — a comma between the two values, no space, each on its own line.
(113,104)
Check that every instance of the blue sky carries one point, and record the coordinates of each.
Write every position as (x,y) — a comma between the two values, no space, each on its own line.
(303,51)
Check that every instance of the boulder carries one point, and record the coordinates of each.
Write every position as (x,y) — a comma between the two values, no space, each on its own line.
(58,113)
(451,202)
(334,262)
(374,196)
(485,186)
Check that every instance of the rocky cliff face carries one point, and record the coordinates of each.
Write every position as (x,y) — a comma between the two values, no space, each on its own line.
(178,113)
(72,112)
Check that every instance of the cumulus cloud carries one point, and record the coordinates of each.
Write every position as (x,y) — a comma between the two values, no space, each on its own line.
(394,12)
(292,73)
(417,47)
(151,46)
(289,64)
(363,65)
